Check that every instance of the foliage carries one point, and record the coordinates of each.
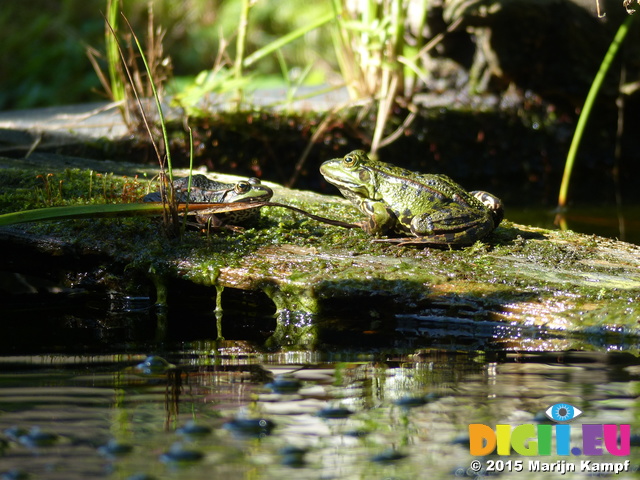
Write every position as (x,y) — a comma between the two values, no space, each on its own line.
(42,59)
(374,55)
(228,75)
(588,105)
(40,35)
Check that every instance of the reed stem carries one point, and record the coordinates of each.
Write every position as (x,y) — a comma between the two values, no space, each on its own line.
(588,105)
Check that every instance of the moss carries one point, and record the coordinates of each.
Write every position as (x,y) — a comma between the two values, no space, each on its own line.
(315,273)
(29,188)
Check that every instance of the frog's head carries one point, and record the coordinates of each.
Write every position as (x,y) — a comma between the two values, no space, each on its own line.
(352,174)
(250,190)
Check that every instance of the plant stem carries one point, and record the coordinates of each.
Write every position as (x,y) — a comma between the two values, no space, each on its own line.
(170,215)
(282,41)
(113,53)
(241,41)
(186,205)
(588,105)
(156,97)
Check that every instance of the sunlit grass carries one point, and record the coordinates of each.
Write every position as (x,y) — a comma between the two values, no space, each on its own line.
(614,47)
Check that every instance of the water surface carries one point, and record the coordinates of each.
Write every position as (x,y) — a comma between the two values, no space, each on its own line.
(326,414)
(604,220)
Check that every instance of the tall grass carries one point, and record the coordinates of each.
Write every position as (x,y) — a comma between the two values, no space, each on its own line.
(243,25)
(163,153)
(375,59)
(235,75)
(116,84)
(614,47)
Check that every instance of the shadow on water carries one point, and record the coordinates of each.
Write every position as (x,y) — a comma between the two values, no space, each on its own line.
(385,319)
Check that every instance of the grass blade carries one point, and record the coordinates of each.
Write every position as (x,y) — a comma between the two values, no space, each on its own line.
(285,39)
(116,210)
(588,105)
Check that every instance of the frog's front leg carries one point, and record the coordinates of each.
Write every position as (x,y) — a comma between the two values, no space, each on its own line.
(209,221)
(380,219)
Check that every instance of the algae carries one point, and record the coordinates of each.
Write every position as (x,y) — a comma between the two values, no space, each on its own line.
(326,280)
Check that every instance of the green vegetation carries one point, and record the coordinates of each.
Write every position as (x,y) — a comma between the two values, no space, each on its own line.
(373,50)
(273,43)
(375,58)
(43,34)
(42,53)
(588,105)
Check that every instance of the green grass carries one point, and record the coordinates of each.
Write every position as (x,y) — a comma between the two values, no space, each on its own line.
(588,105)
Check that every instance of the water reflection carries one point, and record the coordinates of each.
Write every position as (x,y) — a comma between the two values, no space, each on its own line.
(607,221)
(342,415)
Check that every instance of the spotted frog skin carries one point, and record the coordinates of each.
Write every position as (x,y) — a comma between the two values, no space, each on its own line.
(428,208)
(205,190)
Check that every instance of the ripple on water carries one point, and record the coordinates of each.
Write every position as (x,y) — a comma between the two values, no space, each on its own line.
(396,415)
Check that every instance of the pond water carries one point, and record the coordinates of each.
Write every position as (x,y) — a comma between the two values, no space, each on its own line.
(226,409)
(77,400)
(607,221)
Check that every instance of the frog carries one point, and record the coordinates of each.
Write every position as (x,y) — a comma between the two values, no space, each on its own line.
(412,207)
(205,190)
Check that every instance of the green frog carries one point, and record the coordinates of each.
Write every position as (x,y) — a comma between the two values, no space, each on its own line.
(205,190)
(432,209)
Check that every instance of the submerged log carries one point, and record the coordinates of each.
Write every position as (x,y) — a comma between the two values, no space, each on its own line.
(520,288)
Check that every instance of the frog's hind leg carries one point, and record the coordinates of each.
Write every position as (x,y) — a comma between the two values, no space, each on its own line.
(449,239)
(213,223)
(448,226)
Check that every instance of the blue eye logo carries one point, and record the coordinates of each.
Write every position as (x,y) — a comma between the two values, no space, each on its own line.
(562,412)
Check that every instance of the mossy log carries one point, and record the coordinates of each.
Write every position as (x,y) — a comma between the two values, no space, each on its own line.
(521,287)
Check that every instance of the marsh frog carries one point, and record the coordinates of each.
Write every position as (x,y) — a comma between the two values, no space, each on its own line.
(205,190)
(431,209)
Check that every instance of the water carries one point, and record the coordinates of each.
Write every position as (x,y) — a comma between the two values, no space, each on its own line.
(73,405)
(405,414)
(607,221)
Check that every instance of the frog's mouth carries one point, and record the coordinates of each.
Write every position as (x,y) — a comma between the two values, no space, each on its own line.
(260,194)
(344,181)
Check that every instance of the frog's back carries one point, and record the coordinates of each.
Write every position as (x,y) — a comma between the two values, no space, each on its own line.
(200,181)
(423,190)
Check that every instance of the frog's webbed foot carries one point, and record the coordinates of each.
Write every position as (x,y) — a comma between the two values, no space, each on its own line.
(212,228)
(436,240)
(209,223)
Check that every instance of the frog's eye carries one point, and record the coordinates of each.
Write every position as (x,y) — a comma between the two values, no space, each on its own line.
(242,187)
(562,412)
(254,181)
(350,160)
